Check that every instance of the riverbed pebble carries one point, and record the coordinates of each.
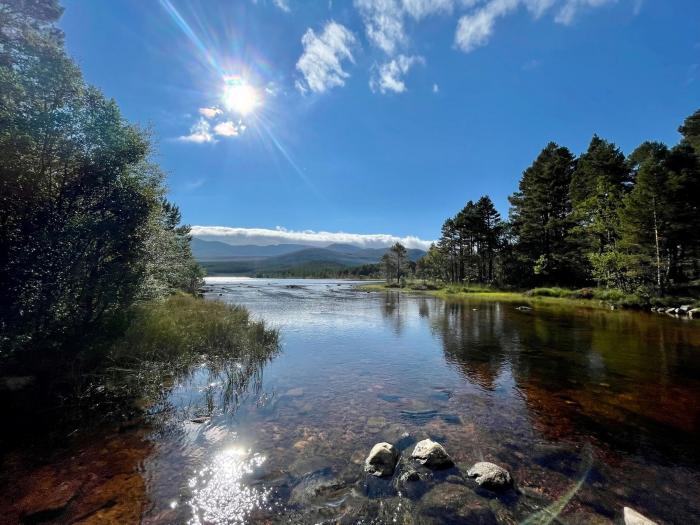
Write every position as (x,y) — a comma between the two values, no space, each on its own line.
(490,475)
(381,460)
(431,454)
(632,517)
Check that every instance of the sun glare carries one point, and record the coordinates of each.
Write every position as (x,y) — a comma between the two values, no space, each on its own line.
(239,96)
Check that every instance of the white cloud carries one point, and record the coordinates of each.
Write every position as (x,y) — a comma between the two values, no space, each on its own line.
(389,76)
(210,112)
(283,5)
(538,7)
(571,7)
(264,237)
(421,8)
(200,132)
(383,21)
(436,88)
(474,30)
(229,129)
(321,64)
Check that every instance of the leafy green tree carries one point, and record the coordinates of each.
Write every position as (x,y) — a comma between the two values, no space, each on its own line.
(432,267)
(85,231)
(690,129)
(542,222)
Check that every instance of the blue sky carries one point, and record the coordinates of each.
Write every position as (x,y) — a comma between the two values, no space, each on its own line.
(379,117)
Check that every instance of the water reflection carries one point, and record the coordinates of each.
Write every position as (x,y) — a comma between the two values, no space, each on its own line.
(627,379)
(578,404)
(219,493)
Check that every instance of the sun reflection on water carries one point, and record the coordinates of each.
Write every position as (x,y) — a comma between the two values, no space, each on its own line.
(219,493)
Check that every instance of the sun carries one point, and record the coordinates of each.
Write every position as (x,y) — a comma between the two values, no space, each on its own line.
(239,96)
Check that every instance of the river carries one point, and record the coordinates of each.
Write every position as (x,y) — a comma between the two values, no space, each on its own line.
(589,410)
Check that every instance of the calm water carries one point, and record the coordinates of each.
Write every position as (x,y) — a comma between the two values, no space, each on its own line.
(589,410)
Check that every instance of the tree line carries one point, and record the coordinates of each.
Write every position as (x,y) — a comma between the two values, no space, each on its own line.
(85,228)
(626,222)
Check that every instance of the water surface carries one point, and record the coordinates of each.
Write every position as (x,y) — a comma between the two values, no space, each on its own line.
(607,403)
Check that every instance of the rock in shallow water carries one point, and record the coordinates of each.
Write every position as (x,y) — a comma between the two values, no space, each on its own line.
(382,460)
(431,454)
(632,517)
(490,476)
(452,503)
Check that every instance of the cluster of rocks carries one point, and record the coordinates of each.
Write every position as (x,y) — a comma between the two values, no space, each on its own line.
(684,310)
(384,457)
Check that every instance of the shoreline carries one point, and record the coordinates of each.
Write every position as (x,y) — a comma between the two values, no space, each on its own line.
(527,298)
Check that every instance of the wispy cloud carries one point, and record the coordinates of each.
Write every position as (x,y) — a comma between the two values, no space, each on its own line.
(389,76)
(279,235)
(321,63)
(283,5)
(229,128)
(200,133)
(210,113)
(384,20)
(476,28)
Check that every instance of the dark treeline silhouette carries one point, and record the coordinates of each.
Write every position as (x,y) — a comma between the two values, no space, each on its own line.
(85,228)
(628,223)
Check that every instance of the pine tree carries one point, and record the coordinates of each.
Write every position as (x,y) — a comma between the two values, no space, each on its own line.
(542,221)
(598,184)
(691,131)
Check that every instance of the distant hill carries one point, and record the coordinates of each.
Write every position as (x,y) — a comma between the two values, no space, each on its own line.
(219,258)
(216,250)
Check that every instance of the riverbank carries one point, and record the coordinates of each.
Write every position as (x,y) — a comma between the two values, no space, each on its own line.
(585,297)
(119,376)
(81,423)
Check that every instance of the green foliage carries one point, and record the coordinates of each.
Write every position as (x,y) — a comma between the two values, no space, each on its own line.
(468,247)
(542,221)
(598,185)
(690,129)
(85,231)
(395,263)
(631,225)
(182,325)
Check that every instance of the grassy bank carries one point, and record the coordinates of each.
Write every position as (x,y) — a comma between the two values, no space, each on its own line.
(118,377)
(586,297)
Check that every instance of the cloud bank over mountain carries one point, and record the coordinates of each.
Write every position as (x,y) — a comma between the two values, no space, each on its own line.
(279,235)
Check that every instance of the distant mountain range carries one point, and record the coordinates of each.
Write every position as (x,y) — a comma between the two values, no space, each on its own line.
(226,259)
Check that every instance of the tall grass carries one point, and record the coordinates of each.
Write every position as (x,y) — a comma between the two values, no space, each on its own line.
(165,341)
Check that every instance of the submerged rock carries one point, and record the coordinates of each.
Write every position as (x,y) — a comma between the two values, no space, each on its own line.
(490,475)
(456,504)
(632,517)
(408,475)
(382,460)
(431,454)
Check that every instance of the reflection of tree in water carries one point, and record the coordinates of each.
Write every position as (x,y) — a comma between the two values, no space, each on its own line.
(391,309)
(472,339)
(628,379)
